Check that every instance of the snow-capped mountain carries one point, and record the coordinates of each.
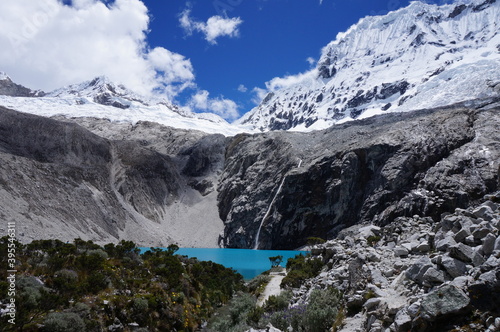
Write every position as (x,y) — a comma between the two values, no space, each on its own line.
(7,87)
(102,98)
(421,56)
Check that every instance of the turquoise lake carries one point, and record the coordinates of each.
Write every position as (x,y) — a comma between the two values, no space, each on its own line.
(248,262)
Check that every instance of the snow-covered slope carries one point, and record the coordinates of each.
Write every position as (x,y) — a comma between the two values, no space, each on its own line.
(102,98)
(417,57)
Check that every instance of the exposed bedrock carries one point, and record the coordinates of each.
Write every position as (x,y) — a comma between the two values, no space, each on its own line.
(422,163)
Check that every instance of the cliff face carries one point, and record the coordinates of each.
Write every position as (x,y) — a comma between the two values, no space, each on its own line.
(300,185)
(156,185)
(59,180)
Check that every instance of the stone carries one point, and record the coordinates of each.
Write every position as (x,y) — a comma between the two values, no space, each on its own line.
(461,235)
(462,252)
(470,241)
(444,244)
(477,258)
(377,277)
(485,212)
(402,321)
(461,282)
(371,304)
(480,233)
(489,277)
(413,309)
(433,276)
(416,271)
(443,301)
(454,267)
(423,247)
(488,244)
(400,251)
(448,221)
(491,263)
(497,244)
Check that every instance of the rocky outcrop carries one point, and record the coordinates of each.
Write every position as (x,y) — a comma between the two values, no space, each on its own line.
(429,288)
(9,88)
(298,185)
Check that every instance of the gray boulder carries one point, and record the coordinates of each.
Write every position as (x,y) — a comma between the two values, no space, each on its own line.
(402,321)
(416,271)
(489,244)
(445,300)
(454,267)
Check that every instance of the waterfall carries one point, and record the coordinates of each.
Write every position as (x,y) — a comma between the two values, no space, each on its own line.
(267,213)
(256,246)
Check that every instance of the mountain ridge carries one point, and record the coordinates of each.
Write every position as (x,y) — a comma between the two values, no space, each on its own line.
(420,56)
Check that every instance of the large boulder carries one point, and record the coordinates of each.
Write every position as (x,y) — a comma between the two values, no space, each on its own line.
(444,301)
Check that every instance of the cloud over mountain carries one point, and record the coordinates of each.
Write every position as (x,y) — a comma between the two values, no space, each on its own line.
(47,44)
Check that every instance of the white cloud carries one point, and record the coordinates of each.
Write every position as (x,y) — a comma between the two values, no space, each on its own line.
(260,94)
(242,88)
(215,27)
(290,80)
(47,45)
(278,83)
(311,61)
(226,108)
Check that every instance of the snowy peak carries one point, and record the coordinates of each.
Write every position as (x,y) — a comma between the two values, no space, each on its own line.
(4,77)
(104,99)
(102,91)
(9,88)
(416,57)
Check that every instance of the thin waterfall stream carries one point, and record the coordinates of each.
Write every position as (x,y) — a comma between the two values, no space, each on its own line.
(256,246)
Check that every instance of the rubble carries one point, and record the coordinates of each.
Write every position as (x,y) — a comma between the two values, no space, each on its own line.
(421,275)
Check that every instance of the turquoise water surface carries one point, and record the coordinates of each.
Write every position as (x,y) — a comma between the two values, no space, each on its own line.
(248,262)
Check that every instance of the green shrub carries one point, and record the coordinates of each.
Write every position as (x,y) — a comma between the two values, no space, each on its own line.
(65,280)
(301,268)
(319,314)
(372,240)
(63,322)
(278,302)
(257,285)
(314,240)
(234,316)
(140,305)
(322,310)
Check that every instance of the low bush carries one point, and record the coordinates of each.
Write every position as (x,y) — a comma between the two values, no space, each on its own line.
(63,322)
(301,268)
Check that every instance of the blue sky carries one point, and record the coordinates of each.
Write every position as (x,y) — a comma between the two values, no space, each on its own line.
(204,55)
(276,38)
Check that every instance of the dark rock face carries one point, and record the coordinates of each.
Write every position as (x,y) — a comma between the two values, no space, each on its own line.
(9,88)
(374,170)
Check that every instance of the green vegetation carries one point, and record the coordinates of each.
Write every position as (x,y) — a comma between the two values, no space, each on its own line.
(275,261)
(372,240)
(311,241)
(82,286)
(299,269)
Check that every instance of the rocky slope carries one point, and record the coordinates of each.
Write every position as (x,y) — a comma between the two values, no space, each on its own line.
(59,180)
(416,274)
(288,186)
(157,185)
(421,56)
